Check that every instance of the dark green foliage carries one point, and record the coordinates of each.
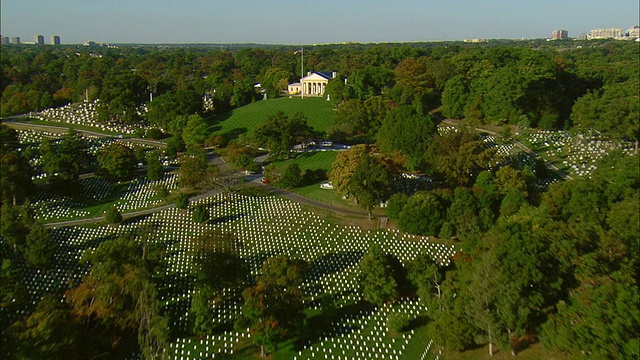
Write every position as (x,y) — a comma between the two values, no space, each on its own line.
(182,201)
(117,162)
(357,117)
(459,156)
(118,299)
(120,97)
(113,215)
(455,97)
(395,204)
(66,160)
(599,319)
(291,176)
(423,214)
(377,282)
(175,145)
(50,332)
(371,182)
(462,215)
(155,171)
(15,226)
(311,177)
(512,202)
(272,308)
(40,250)
(15,177)
(154,134)
(166,108)
(195,132)
(201,214)
(201,314)
(427,278)
(407,132)
(614,111)
(280,133)
(194,171)
(275,82)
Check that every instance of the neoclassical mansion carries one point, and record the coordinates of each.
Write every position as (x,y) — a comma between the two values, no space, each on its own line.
(314,84)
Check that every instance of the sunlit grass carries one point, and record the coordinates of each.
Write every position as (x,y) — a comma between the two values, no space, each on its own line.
(243,120)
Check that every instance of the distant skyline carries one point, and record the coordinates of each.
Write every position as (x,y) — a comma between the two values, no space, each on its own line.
(305,22)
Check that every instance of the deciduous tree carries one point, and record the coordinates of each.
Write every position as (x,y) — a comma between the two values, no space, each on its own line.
(272,309)
(117,162)
(377,283)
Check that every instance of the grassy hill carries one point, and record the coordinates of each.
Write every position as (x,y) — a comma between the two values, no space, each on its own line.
(242,120)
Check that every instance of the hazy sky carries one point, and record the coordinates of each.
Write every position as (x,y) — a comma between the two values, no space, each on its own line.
(306,22)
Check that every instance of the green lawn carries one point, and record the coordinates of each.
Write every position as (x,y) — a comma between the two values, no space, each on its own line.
(317,160)
(242,120)
(310,160)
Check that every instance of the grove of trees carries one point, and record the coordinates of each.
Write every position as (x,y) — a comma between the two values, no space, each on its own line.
(556,265)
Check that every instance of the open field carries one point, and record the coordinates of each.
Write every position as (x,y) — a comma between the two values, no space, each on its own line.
(242,120)
(312,160)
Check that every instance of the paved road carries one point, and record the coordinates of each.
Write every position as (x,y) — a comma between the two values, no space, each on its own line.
(129,215)
(62,129)
(253,180)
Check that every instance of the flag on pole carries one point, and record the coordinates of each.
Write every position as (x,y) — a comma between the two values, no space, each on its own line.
(297,52)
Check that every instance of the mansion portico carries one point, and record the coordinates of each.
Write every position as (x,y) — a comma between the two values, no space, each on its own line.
(314,84)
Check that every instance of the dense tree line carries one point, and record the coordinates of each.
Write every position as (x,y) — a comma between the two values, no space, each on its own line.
(527,83)
(562,270)
(559,266)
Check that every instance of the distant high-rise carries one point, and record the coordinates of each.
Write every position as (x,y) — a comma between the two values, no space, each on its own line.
(614,33)
(560,35)
(15,40)
(4,40)
(55,40)
(38,39)
(633,31)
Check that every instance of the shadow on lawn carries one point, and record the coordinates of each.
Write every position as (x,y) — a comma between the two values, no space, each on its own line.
(334,263)
(318,326)
(234,134)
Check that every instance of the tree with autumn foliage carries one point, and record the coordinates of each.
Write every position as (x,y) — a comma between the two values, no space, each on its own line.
(273,306)
(458,156)
(117,299)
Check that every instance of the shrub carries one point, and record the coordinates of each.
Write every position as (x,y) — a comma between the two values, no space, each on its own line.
(201,214)
(154,133)
(182,201)
(113,215)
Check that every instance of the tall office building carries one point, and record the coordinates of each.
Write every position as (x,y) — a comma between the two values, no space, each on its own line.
(560,35)
(15,40)
(4,40)
(55,40)
(38,39)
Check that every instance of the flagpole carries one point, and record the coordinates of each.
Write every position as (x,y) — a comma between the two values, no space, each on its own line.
(302,73)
